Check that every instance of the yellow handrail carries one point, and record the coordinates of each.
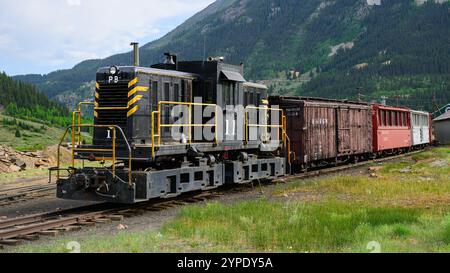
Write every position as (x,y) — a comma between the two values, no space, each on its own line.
(157,125)
(283,127)
(75,114)
(248,125)
(153,133)
(286,139)
(189,124)
(114,129)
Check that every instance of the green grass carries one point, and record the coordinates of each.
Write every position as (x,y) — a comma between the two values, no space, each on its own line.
(400,211)
(317,227)
(30,140)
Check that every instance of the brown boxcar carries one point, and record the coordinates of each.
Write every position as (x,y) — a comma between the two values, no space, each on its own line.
(326,131)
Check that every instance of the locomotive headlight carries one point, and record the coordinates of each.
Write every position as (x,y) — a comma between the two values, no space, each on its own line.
(113,70)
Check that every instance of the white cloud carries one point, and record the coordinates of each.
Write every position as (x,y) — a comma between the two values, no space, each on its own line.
(73,2)
(49,34)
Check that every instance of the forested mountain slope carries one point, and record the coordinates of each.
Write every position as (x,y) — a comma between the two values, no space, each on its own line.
(397,49)
(22,100)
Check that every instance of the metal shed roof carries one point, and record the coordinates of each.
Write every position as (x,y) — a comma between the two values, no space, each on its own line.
(443,117)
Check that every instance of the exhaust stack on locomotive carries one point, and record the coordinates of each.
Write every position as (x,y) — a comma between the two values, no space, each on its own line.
(135,53)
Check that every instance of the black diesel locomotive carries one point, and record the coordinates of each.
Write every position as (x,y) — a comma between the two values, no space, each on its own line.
(172,128)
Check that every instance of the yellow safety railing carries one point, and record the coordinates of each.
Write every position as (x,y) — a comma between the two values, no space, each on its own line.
(285,138)
(76,117)
(77,148)
(160,125)
(249,125)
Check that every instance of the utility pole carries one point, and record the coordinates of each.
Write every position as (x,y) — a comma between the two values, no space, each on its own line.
(436,107)
(360,94)
(398,99)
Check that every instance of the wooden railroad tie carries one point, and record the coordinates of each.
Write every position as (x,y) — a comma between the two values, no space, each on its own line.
(86,223)
(191,200)
(154,209)
(102,220)
(10,242)
(68,228)
(31,237)
(115,217)
(52,233)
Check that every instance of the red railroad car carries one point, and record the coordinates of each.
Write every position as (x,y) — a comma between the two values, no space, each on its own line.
(391,129)
(325,131)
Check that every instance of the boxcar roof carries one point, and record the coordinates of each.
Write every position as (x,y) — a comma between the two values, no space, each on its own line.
(387,107)
(314,99)
(420,112)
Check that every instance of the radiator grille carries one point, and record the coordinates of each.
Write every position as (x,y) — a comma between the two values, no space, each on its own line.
(112,95)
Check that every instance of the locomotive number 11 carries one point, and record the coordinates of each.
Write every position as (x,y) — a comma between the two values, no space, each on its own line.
(113,79)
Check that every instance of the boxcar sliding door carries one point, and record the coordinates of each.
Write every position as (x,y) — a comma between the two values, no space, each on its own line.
(343,134)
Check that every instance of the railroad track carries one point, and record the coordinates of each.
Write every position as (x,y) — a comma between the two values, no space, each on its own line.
(28,228)
(21,194)
(319,172)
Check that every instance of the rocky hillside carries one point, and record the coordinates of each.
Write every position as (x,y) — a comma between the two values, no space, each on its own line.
(345,47)
(16,161)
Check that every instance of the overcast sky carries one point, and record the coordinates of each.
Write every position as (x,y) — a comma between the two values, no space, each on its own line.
(46,35)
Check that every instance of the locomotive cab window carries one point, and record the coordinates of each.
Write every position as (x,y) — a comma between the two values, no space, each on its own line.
(229,93)
(176,92)
(209,92)
(154,95)
(166,95)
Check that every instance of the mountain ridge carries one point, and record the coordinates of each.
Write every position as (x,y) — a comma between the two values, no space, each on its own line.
(273,37)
